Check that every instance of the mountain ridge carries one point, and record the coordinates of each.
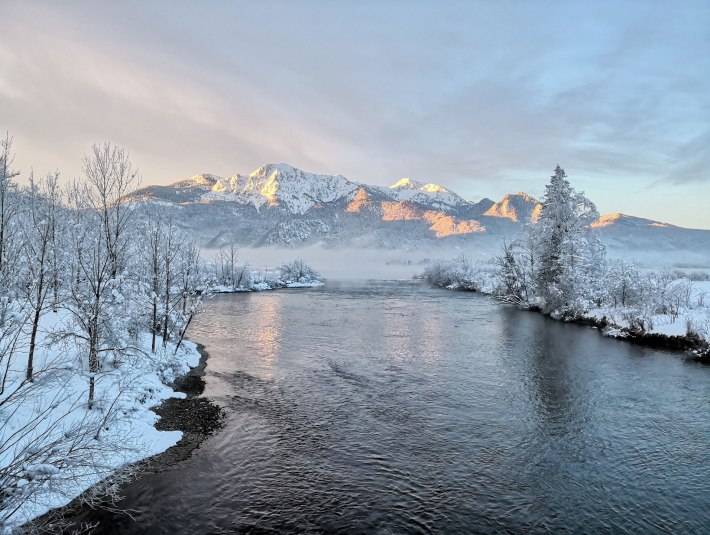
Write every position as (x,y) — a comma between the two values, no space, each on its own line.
(282,205)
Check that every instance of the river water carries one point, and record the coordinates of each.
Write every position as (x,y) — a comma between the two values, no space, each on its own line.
(393,407)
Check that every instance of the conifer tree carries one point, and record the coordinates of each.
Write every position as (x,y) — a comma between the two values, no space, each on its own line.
(570,256)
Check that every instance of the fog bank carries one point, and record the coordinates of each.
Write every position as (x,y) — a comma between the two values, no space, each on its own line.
(353,263)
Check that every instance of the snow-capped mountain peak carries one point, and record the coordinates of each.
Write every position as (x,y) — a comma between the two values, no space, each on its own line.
(406,183)
(281,185)
(434,195)
(409,184)
(617,219)
(434,188)
(203,180)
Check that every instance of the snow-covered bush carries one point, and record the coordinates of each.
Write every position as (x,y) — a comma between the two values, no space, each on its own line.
(441,274)
(462,274)
(624,284)
(298,272)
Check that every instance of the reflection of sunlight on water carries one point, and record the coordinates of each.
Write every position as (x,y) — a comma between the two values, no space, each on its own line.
(266,331)
(411,335)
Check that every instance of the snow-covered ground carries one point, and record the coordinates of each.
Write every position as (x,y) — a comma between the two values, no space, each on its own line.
(689,318)
(49,435)
(261,286)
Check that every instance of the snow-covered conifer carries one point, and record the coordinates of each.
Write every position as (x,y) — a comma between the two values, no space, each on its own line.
(570,257)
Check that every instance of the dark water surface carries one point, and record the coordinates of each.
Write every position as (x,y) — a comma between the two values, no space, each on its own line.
(391,407)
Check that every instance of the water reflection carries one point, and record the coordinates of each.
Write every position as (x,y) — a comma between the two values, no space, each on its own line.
(265,332)
(549,378)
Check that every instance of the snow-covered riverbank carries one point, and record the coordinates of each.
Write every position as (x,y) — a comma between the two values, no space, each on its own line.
(264,286)
(78,449)
(680,319)
(63,447)
(684,326)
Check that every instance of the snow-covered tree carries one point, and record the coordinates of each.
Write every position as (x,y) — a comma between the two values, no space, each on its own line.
(625,285)
(78,253)
(103,213)
(154,234)
(41,203)
(110,177)
(172,242)
(570,257)
(9,239)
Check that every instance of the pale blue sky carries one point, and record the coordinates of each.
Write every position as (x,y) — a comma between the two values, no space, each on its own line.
(482,97)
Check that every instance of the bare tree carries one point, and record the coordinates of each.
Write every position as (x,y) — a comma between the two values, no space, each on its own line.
(100,253)
(195,287)
(41,203)
(189,257)
(153,235)
(227,258)
(8,209)
(111,177)
(299,271)
(172,243)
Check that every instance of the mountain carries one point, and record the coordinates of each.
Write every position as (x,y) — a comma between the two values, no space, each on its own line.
(281,205)
(518,207)
(281,185)
(623,232)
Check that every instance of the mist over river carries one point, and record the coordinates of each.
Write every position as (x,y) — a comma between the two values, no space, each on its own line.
(393,407)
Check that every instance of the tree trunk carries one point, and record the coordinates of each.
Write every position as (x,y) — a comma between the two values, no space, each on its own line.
(33,339)
(94,364)
(154,324)
(91,393)
(182,334)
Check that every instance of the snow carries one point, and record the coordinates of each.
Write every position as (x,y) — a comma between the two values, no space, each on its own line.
(281,184)
(56,410)
(430,194)
(694,316)
(260,281)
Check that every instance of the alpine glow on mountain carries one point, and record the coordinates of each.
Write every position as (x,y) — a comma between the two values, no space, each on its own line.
(278,204)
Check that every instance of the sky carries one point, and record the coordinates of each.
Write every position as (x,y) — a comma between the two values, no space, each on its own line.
(484,98)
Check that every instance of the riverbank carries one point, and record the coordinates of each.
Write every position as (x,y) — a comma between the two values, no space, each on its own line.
(54,446)
(197,418)
(676,334)
(265,286)
(683,330)
(182,417)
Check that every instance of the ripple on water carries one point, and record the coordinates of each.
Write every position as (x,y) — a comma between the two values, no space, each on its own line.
(397,408)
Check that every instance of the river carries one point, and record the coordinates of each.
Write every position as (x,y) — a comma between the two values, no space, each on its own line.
(393,407)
